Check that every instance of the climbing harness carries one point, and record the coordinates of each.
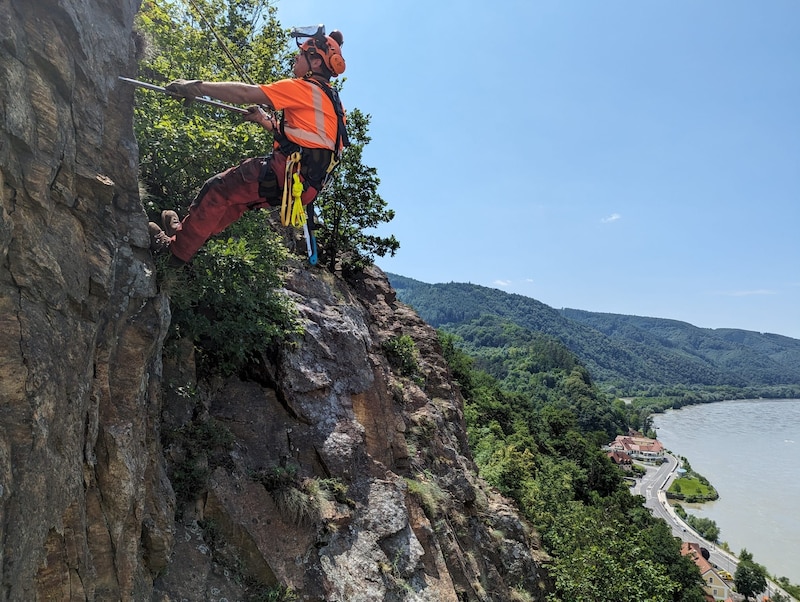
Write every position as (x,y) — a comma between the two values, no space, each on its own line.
(292,211)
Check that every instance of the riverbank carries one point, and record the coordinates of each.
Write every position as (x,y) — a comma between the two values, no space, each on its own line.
(691,487)
(653,485)
(756,482)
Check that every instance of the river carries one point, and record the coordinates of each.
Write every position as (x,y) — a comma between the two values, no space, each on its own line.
(750,452)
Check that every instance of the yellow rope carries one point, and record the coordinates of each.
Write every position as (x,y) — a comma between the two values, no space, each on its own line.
(292,211)
(298,212)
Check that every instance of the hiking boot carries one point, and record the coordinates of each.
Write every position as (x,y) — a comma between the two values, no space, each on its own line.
(171,222)
(159,241)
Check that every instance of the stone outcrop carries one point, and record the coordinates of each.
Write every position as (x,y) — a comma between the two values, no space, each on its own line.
(404,518)
(85,505)
(332,472)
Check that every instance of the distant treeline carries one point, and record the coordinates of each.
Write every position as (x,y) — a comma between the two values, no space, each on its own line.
(666,363)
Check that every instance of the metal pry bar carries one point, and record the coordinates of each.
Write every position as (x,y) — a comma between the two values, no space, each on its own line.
(200,99)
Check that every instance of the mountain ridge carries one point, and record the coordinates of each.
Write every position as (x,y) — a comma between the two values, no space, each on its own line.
(626,354)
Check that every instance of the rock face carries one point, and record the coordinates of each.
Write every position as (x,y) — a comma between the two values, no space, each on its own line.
(337,475)
(86,510)
(405,517)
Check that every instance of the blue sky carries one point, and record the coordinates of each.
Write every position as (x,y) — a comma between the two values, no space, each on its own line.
(621,156)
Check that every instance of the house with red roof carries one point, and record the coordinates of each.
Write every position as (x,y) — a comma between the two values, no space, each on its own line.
(713,584)
(638,447)
(621,459)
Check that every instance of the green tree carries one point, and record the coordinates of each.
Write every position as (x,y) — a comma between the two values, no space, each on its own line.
(181,146)
(706,527)
(228,305)
(508,468)
(596,560)
(750,577)
(666,550)
(605,545)
(351,206)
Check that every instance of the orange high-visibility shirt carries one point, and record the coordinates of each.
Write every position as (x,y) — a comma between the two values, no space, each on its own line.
(309,118)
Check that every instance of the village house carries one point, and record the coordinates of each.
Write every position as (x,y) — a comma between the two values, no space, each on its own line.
(713,584)
(638,447)
(621,459)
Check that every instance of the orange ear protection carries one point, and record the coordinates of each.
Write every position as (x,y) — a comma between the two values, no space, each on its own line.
(328,48)
(336,64)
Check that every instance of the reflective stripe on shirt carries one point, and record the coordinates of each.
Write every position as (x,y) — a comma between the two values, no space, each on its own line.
(304,103)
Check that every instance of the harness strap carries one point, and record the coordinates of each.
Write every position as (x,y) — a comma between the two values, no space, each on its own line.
(341,131)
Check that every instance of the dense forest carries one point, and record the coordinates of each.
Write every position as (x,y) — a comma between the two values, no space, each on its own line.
(662,363)
(540,446)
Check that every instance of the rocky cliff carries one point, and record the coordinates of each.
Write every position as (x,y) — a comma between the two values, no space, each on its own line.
(328,471)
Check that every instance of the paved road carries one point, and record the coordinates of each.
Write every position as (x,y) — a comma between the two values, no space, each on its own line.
(653,487)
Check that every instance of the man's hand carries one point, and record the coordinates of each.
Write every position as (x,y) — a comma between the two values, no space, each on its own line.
(258,115)
(187,88)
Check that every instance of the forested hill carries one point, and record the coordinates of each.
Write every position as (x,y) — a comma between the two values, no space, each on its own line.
(628,355)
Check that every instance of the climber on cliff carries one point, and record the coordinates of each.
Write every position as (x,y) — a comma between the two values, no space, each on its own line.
(309,138)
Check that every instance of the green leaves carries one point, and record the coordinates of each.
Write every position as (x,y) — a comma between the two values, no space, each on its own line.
(403,355)
(229,303)
(598,560)
(536,447)
(351,205)
(750,577)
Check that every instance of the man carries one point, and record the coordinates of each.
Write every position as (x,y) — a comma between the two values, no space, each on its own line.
(313,125)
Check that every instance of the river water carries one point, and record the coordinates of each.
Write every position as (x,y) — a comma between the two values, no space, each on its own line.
(750,452)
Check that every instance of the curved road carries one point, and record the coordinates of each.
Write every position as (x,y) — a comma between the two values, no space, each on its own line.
(653,487)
